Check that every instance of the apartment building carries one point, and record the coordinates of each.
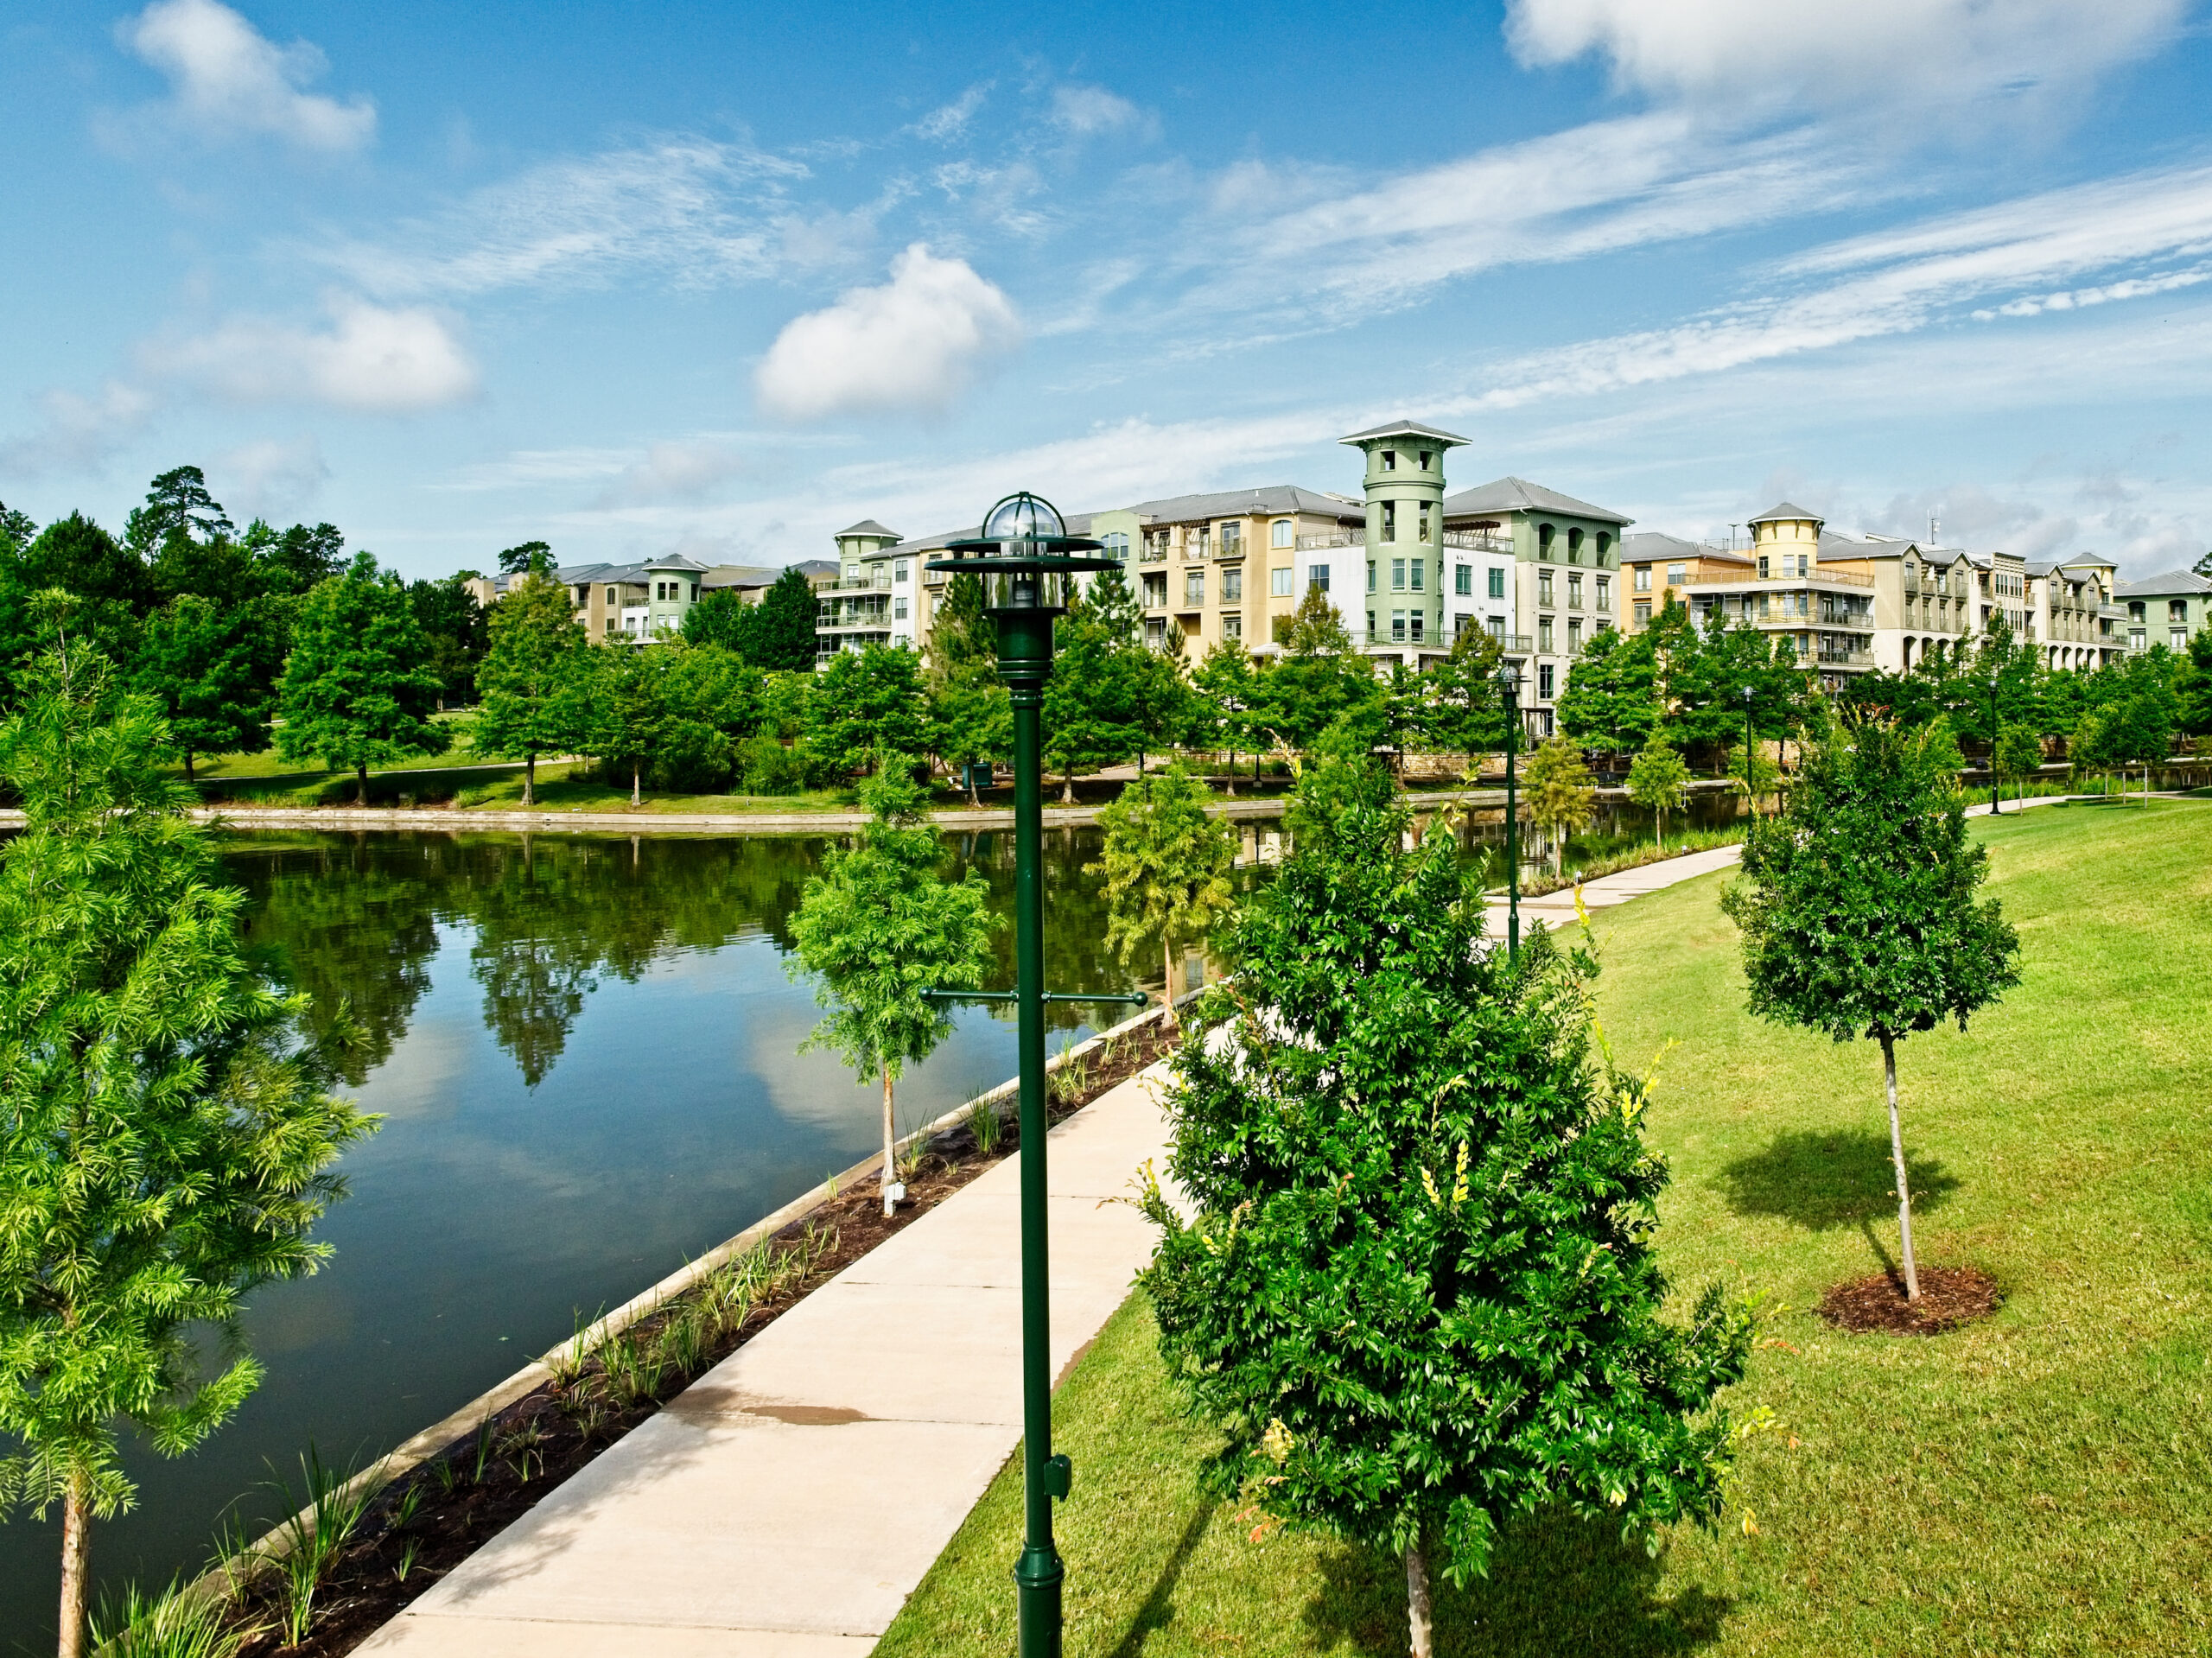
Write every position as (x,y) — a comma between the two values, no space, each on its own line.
(2164,610)
(859,608)
(633,601)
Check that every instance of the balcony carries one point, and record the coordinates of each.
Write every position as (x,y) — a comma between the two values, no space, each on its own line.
(1469,541)
(1323,542)
(1230,549)
(1814,578)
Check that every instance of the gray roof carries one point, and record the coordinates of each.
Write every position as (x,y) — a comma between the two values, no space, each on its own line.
(2172,585)
(2087,560)
(1239,503)
(1783,509)
(1652,546)
(1519,495)
(1833,546)
(867,527)
(1404,429)
(1078,524)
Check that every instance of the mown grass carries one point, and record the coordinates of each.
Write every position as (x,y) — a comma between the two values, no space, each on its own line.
(2034,1484)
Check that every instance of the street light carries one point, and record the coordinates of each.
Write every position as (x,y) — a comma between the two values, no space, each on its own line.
(1029,562)
(1508,686)
(1750,770)
(1995,805)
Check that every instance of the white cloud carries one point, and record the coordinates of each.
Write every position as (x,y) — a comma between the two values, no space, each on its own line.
(915,343)
(1934,53)
(679,469)
(370,358)
(704,212)
(270,476)
(226,78)
(75,433)
(1087,111)
(950,120)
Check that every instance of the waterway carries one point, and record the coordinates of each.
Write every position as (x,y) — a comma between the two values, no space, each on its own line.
(585,1053)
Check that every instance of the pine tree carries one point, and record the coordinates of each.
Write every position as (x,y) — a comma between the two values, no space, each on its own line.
(534,679)
(1167,866)
(782,639)
(1657,780)
(878,927)
(165,1138)
(1418,1296)
(356,690)
(1857,909)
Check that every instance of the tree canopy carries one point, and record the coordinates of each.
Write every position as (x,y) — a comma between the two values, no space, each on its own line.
(357,690)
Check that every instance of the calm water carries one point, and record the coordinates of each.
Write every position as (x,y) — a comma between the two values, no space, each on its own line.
(585,1053)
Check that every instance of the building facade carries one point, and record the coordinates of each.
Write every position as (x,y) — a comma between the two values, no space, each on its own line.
(2164,610)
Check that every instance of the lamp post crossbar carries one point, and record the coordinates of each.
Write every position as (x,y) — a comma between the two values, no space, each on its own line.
(1127,997)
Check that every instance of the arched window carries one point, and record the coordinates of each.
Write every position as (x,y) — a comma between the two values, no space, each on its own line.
(1544,540)
(1605,544)
(1279,533)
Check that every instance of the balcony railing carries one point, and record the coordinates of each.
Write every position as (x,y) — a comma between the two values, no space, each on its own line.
(1473,542)
(1841,578)
(1327,539)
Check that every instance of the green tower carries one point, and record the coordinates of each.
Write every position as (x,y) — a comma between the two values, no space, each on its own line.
(1405,535)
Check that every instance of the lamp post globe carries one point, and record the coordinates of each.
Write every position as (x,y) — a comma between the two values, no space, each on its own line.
(1508,691)
(1028,563)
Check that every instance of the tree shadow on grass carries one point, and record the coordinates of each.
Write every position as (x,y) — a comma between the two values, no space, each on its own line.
(1557,1585)
(1159,1608)
(1825,1181)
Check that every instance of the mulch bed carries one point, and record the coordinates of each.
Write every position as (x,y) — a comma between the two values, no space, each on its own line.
(1950,1297)
(429,1521)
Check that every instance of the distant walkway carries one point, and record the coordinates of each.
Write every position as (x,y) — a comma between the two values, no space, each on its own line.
(787,1502)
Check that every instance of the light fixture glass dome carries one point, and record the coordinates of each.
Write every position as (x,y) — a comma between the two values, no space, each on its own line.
(1024,516)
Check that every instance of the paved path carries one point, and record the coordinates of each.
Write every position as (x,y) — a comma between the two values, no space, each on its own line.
(786,1503)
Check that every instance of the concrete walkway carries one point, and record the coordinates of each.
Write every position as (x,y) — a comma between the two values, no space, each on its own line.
(788,1501)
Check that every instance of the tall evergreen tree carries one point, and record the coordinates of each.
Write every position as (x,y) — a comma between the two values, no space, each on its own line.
(722,619)
(1316,680)
(1416,1293)
(783,639)
(534,679)
(1166,864)
(1858,907)
(1091,715)
(969,701)
(1462,711)
(867,702)
(193,663)
(356,690)
(530,558)
(165,1138)
(1611,699)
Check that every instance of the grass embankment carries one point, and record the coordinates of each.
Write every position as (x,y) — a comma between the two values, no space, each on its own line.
(2034,1484)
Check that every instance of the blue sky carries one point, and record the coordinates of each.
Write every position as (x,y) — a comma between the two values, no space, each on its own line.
(724,279)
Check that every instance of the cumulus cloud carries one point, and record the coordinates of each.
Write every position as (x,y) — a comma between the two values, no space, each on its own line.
(271,476)
(226,78)
(1892,51)
(915,343)
(370,358)
(1087,111)
(76,432)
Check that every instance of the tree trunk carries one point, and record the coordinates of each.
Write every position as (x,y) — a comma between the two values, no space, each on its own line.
(633,785)
(1897,1155)
(890,1148)
(76,1556)
(1067,787)
(187,766)
(1662,828)
(1168,984)
(1417,1602)
(361,775)
(530,779)
(973,799)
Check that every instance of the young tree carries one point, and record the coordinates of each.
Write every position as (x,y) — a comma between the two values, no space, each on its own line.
(2019,754)
(1657,780)
(1091,716)
(1756,773)
(628,704)
(534,680)
(1224,683)
(1463,713)
(1319,678)
(193,663)
(968,699)
(1419,1297)
(1857,909)
(165,1138)
(1167,866)
(878,927)
(1556,786)
(869,702)
(781,639)
(356,690)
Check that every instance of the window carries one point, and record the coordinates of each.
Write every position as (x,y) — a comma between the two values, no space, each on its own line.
(1232,626)
(1543,586)
(1574,546)
(1643,578)
(695,592)
(1574,634)
(1371,624)
(660,592)
(610,595)
(2177,610)
(1155,632)
(1574,590)
(899,608)
(1462,580)
(1604,545)
(1397,627)
(1462,625)
(608,627)
(1194,586)
(1280,582)
(1677,574)
(1544,680)
(1389,460)
(1497,627)
(1317,575)
(1424,520)
(1232,539)
(1232,585)
(1195,542)
(1155,590)
(1544,540)
(1389,520)
(2178,637)
(1643,611)
(1279,533)
(1762,567)
(1544,634)
(898,571)
(1415,621)
(2135,610)
(1497,581)
(1604,593)
(1117,542)
(1370,575)
(1397,575)
(1420,565)
(852,575)
(1424,460)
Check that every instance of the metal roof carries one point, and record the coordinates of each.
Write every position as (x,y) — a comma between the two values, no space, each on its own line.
(1404,429)
(1519,495)
(1651,546)
(2172,584)
(867,527)
(1785,510)
(1240,503)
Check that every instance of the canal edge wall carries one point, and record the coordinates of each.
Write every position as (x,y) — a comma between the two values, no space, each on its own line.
(429,1442)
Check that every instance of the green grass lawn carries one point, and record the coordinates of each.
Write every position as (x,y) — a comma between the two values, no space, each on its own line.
(2038,1483)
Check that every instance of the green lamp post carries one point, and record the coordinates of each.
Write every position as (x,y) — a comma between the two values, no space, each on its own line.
(1995,805)
(1751,760)
(1028,563)
(1509,688)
